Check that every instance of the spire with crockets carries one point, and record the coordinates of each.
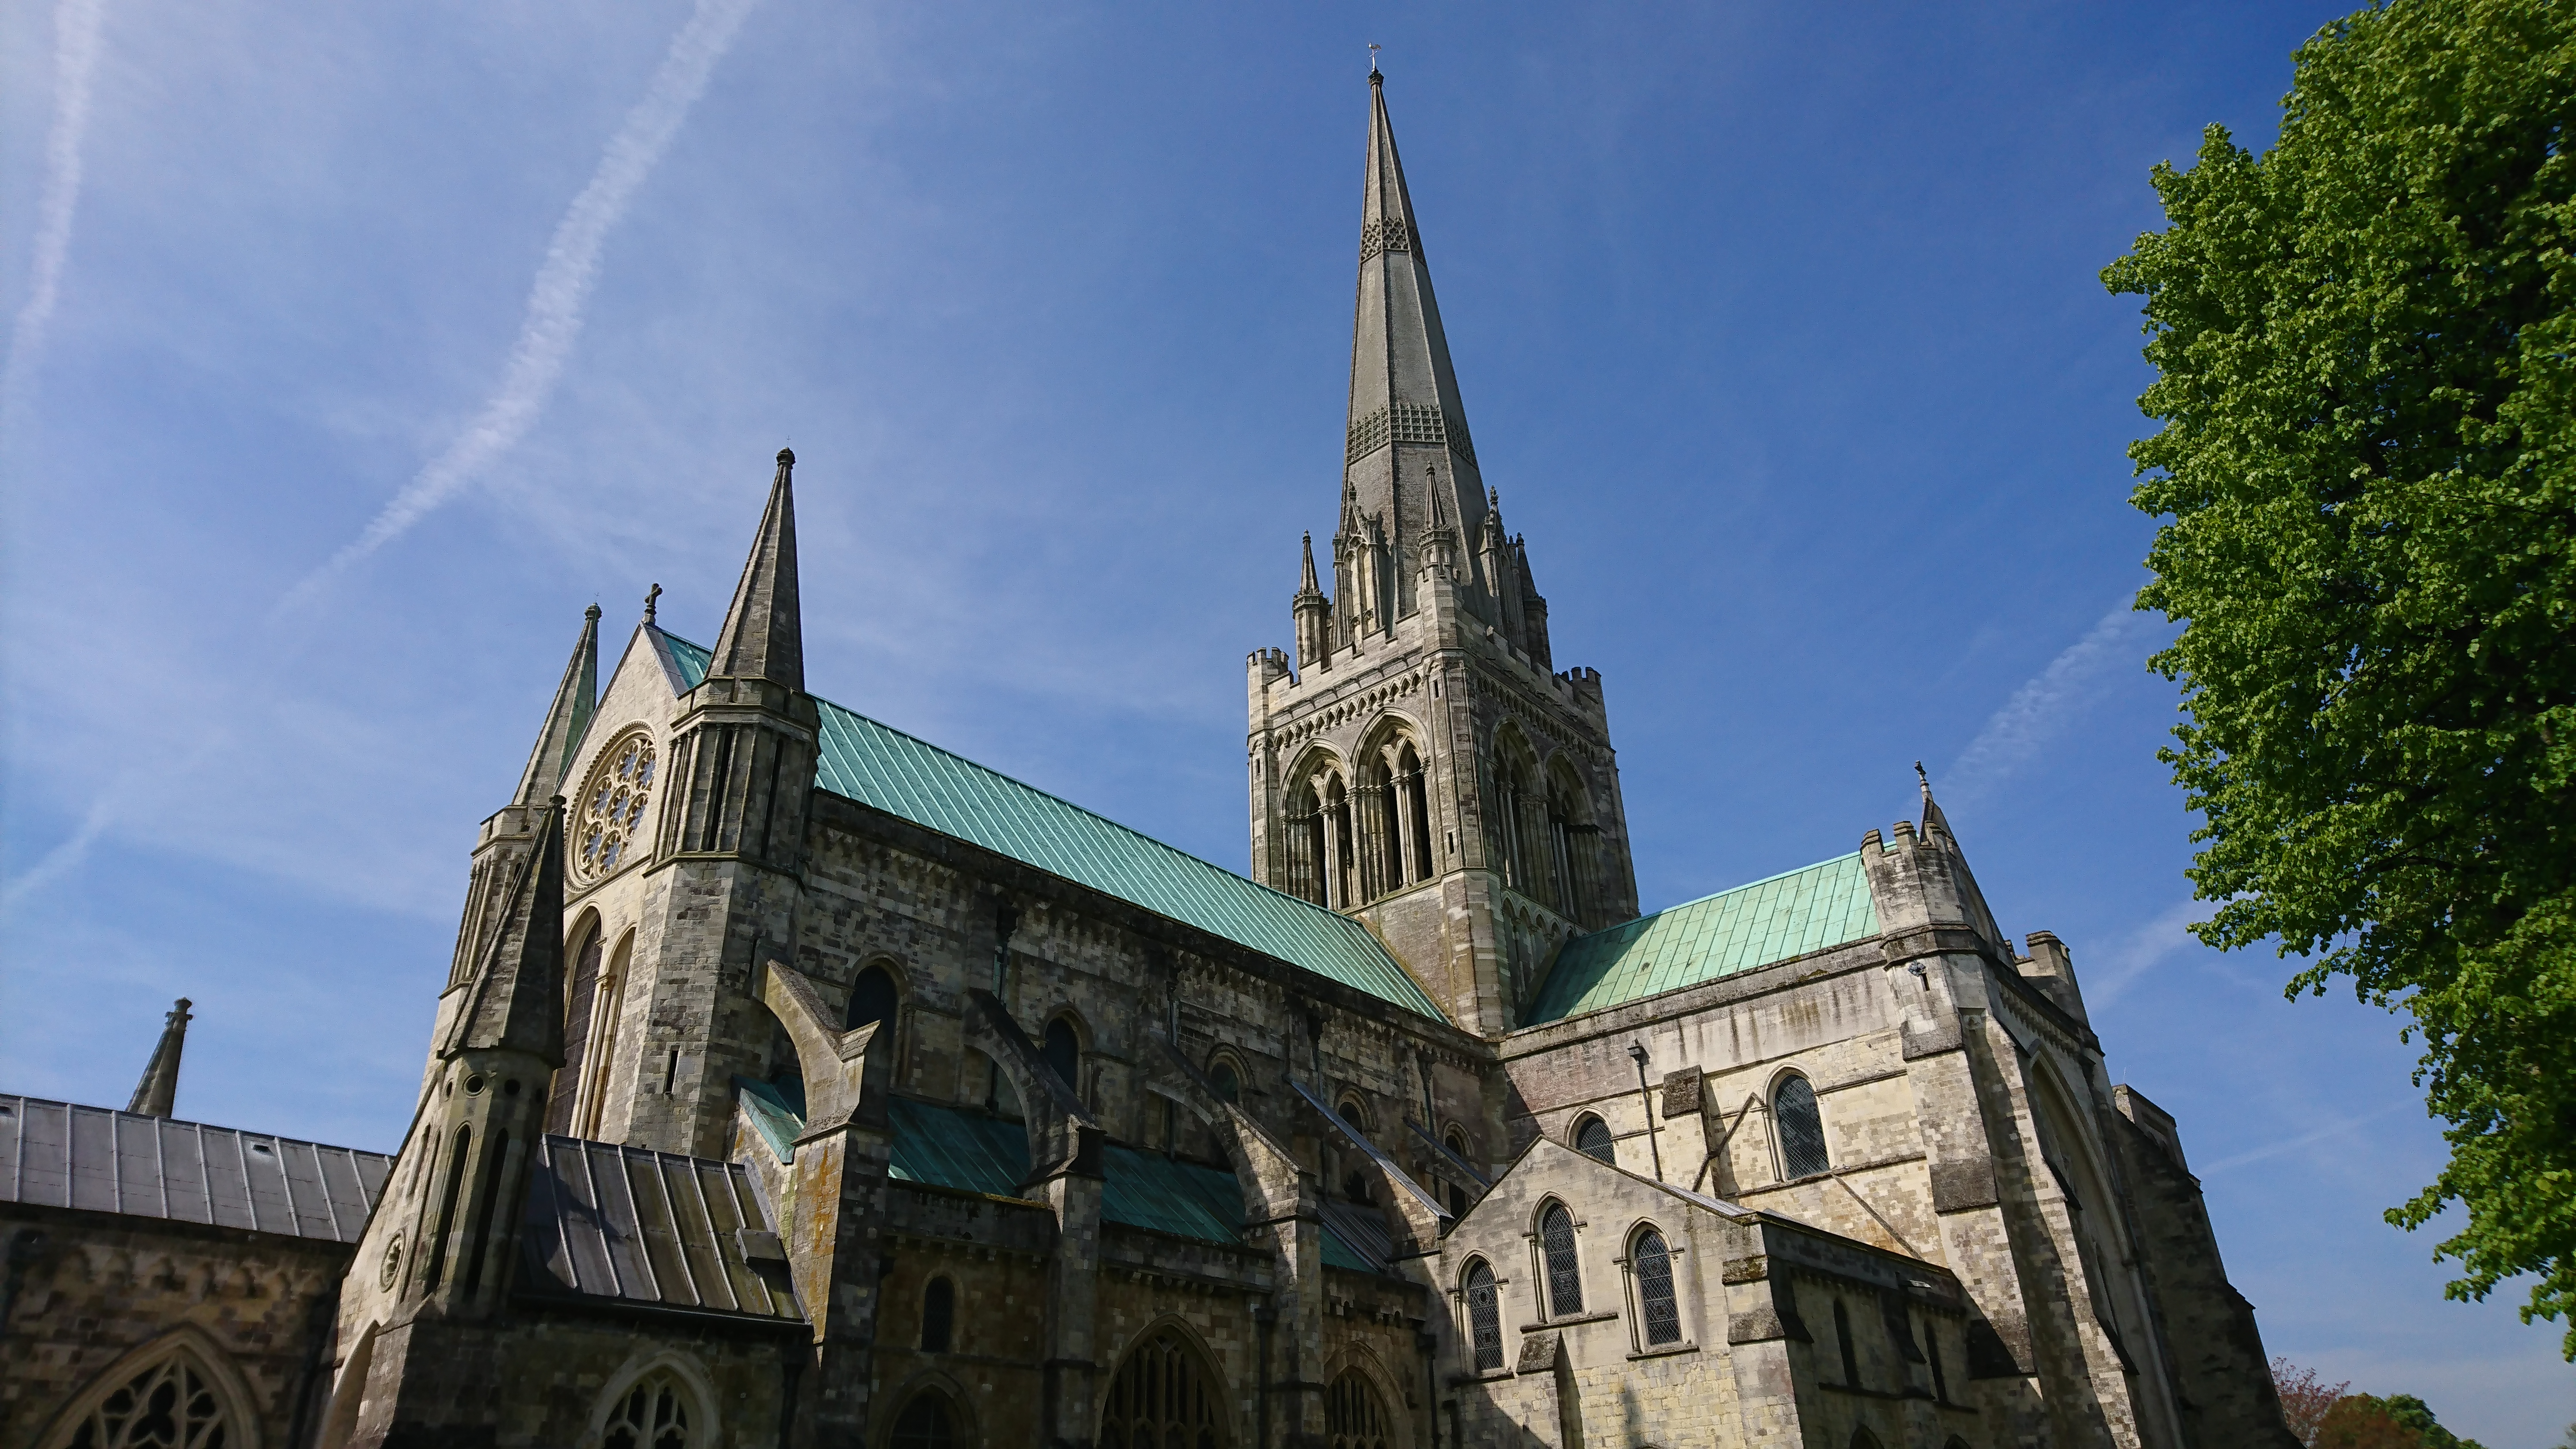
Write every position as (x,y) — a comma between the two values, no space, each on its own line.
(1407,438)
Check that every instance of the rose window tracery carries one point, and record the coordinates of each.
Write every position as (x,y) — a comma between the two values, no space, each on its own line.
(612,808)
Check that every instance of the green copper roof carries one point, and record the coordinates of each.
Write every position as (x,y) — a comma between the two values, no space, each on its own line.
(878,765)
(1827,904)
(951,1147)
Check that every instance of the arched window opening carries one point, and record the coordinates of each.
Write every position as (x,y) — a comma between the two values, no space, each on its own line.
(581,999)
(1863,1439)
(1227,1081)
(1592,1139)
(938,1315)
(1658,1308)
(1308,847)
(436,1264)
(1484,1317)
(1339,878)
(1354,1112)
(1802,1129)
(174,1403)
(873,998)
(1458,1203)
(654,1414)
(1064,1053)
(927,1422)
(1163,1398)
(1354,1415)
(1932,1351)
(1572,844)
(496,1160)
(1850,1350)
(1564,1275)
(1417,808)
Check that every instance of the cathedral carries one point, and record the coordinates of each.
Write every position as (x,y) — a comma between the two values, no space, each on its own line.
(796,1082)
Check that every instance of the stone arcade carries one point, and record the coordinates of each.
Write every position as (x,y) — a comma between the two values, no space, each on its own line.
(796,1082)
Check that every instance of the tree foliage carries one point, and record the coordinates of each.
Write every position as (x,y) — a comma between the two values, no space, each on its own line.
(2400,1421)
(2305,1398)
(2366,380)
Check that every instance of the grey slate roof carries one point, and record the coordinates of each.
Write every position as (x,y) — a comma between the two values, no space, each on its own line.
(652,1229)
(58,1154)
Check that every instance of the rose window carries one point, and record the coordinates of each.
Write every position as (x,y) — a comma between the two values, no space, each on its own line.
(612,807)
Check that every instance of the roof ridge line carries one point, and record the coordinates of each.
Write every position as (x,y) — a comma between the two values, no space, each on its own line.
(1714,895)
(190,1122)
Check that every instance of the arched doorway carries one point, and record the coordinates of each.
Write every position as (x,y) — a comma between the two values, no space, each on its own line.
(1165,1397)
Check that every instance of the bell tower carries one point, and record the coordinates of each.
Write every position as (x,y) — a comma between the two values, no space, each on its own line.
(1419,763)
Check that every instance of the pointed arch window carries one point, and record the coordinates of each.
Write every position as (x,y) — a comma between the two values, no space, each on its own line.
(1658,1307)
(1354,1414)
(1484,1317)
(1801,1127)
(174,1403)
(873,998)
(938,1315)
(1564,1271)
(1063,1052)
(1228,1082)
(611,808)
(654,1414)
(1592,1139)
(1458,1203)
(1850,1350)
(581,1001)
(927,1422)
(1164,1397)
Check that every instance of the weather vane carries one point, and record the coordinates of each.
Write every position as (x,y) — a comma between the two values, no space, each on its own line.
(1372,57)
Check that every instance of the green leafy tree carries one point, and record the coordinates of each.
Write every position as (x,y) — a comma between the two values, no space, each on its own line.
(2366,380)
(2400,1421)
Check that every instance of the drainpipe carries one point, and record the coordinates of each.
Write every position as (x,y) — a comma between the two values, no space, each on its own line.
(1637,1050)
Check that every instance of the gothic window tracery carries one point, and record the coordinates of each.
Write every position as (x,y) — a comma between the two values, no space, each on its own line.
(612,807)
(1354,1414)
(1164,1397)
(174,1403)
(1801,1128)
(653,1414)
(927,1422)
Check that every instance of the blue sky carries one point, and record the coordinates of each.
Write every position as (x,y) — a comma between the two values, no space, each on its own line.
(355,349)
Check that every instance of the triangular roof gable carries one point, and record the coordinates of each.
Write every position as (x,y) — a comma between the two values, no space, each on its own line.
(877,765)
(1549,1150)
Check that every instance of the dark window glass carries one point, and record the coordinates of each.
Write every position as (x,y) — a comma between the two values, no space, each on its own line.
(1484,1317)
(1654,1265)
(1592,1139)
(872,998)
(1064,1052)
(576,1039)
(938,1315)
(925,1423)
(1564,1279)
(1163,1398)
(1802,1131)
(1227,1084)
(1354,1416)
(1932,1350)
(1851,1353)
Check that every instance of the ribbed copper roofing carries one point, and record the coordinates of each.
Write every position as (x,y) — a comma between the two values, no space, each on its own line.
(876,764)
(60,1154)
(1811,909)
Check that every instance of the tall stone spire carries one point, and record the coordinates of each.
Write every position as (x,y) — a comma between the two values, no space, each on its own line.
(566,719)
(1407,437)
(763,635)
(517,1001)
(157,1095)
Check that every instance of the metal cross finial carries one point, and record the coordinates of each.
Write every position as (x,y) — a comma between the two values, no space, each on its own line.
(1924,779)
(1372,57)
(651,600)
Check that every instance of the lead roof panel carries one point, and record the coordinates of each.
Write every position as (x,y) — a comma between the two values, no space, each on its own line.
(60,1154)
(653,1229)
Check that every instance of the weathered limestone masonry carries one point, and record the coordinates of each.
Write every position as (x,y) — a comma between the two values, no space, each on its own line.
(797,1083)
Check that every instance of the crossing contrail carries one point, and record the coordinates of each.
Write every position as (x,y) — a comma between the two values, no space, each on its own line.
(2049,701)
(562,288)
(76,24)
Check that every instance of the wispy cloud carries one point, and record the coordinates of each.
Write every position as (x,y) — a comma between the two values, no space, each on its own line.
(76,27)
(2113,970)
(2042,708)
(562,288)
(2289,1145)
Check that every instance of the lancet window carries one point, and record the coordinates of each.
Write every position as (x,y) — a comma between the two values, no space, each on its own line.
(1564,1273)
(1354,1414)
(1801,1128)
(1659,1308)
(581,1001)
(1163,1398)
(1484,1317)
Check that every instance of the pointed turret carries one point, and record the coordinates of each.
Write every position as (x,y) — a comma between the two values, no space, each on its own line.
(1313,614)
(1405,410)
(575,700)
(1932,815)
(1533,609)
(517,1001)
(158,1093)
(763,635)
